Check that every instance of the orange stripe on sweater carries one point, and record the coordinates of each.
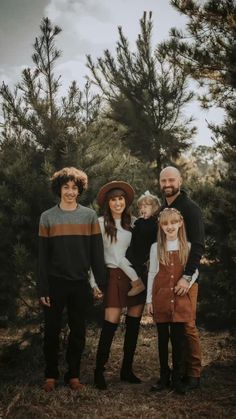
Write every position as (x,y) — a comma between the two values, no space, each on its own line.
(69,230)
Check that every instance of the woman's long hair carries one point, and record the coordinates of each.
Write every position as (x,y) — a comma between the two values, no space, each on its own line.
(109,222)
(163,255)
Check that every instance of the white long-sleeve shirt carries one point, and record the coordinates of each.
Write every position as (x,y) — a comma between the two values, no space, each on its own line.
(114,252)
(126,267)
(172,245)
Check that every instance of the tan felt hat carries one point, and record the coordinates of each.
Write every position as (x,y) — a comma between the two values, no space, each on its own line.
(115,184)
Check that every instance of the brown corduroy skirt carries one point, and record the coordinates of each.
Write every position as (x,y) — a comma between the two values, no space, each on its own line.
(117,290)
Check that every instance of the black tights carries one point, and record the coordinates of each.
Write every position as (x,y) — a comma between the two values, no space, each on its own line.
(174,332)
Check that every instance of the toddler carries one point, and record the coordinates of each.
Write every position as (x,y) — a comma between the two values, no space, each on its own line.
(143,235)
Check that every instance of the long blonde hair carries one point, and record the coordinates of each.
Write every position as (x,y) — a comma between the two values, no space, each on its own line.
(163,255)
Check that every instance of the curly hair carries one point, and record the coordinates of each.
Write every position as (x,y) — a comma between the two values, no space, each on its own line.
(66,174)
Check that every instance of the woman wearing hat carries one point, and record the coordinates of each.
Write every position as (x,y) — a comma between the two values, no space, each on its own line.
(115,198)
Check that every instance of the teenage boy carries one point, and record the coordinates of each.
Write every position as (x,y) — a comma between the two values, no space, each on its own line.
(70,242)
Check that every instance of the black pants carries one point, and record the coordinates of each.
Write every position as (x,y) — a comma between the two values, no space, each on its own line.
(175,333)
(74,296)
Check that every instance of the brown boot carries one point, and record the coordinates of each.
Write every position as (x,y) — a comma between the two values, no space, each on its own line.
(49,384)
(137,287)
(75,384)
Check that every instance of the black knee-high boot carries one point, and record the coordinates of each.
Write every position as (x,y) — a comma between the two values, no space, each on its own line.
(103,351)
(130,342)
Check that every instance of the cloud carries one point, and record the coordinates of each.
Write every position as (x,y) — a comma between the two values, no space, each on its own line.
(5,77)
(19,23)
(69,71)
(11,75)
(87,28)
(78,8)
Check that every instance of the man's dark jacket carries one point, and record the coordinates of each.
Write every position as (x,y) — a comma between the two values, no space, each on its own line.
(194,228)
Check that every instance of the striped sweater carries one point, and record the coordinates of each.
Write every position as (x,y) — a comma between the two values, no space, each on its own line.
(70,242)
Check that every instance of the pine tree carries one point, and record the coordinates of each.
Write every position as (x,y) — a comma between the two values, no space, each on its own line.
(208,53)
(33,107)
(147,95)
(42,132)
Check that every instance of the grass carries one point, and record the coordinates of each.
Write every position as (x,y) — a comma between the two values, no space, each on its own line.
(21,365)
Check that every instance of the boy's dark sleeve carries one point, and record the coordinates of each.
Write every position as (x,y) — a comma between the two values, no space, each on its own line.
(43,256)
(97,255)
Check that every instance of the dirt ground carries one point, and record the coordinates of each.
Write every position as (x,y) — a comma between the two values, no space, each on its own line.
(21,396)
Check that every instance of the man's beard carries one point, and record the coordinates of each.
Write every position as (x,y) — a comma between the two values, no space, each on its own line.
(170,192)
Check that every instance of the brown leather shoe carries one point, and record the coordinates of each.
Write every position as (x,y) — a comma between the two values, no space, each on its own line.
(75,384)
(49,384)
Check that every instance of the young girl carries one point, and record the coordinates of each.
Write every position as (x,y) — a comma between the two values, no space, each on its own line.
(170,310)
(143,235)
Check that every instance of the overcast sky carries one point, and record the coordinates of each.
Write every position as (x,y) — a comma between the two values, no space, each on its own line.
(89,27)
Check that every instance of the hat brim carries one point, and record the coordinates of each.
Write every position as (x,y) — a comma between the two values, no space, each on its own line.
(115,184)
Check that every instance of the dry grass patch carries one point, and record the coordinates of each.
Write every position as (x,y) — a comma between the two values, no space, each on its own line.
(22,375)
